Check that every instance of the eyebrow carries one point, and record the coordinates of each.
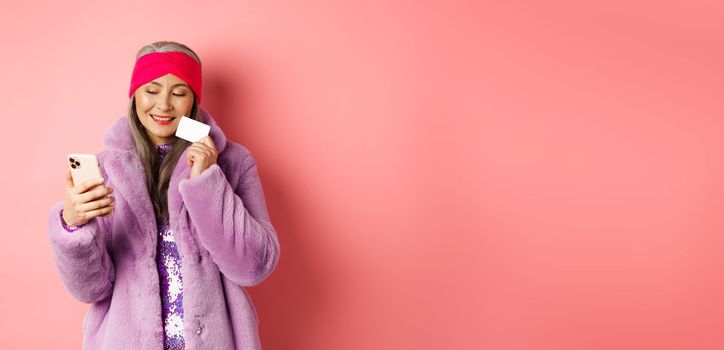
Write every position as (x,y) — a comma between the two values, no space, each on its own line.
(179,84)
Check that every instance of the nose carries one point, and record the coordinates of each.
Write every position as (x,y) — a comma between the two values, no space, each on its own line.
(164,103)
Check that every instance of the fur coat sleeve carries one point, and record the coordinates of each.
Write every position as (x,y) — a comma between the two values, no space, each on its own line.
(233,222)
(81,257)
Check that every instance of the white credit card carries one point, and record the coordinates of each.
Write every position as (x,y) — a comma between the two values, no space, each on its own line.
(191,130)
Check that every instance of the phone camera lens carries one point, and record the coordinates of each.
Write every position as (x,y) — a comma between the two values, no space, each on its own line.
(72,166)
(77,163)
(71,160)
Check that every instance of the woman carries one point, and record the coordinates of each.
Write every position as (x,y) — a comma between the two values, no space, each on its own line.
(164,248)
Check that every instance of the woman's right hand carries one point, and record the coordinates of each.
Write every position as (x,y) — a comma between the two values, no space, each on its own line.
(85,201)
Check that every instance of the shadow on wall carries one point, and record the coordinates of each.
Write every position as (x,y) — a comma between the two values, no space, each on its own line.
(289,301)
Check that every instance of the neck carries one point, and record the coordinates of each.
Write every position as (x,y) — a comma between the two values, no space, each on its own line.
(156,140)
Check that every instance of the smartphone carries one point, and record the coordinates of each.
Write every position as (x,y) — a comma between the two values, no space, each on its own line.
(83,167)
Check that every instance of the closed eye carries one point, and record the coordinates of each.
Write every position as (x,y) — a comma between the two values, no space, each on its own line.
(155,92)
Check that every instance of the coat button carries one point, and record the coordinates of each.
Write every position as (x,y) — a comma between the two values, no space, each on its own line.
(198,331)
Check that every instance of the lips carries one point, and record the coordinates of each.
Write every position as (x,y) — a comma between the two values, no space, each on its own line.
(162,120)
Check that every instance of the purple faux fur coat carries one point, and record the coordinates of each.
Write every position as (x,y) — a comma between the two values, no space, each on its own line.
(223,234)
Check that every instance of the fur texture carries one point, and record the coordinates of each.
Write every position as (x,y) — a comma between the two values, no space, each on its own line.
(224,237)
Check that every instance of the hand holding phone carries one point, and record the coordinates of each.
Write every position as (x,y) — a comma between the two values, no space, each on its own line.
(85,197)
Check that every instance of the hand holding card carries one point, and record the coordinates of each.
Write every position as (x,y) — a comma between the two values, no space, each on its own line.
(202,152)
(191,130)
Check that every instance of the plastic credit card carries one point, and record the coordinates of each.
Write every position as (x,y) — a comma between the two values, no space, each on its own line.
(191,130)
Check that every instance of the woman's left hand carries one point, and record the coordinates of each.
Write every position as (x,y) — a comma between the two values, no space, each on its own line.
(201,155)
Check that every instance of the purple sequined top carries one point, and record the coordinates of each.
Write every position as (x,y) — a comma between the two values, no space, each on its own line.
(168,263)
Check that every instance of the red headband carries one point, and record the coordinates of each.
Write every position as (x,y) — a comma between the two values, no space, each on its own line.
(157,64)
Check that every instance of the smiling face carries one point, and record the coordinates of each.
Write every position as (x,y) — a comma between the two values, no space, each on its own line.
(160,104)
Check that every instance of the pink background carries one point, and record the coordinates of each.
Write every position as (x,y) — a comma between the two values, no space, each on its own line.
(442,175)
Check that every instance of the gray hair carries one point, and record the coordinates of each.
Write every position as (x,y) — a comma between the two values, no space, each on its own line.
(167,46)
